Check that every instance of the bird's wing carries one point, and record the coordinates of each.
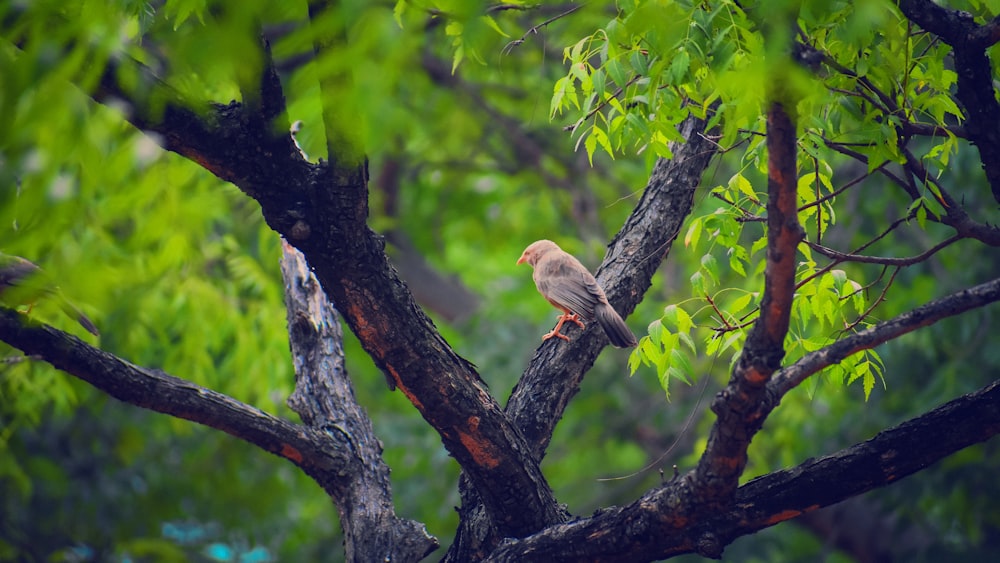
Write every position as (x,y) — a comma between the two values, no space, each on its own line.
(14,270)
(566,283)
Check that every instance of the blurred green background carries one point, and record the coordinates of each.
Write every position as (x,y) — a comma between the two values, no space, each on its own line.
(180,273)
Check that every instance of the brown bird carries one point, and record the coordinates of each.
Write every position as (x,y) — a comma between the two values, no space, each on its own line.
(22,281)
(566,283)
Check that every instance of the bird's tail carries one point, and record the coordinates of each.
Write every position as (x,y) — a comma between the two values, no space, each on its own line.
(613,325)
(74,312)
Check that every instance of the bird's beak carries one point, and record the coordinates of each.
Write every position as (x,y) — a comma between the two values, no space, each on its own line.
(522,259)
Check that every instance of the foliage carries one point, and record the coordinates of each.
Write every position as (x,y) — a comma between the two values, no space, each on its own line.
(639,75)
(179,270)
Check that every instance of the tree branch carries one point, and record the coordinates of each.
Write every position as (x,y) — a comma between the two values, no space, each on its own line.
(324,398)
(719,469)
(322,210)
(954,304)
(884,260)
(955,215)
(556,372)
(975,75)
(650,528)
(535,28)
(323,456)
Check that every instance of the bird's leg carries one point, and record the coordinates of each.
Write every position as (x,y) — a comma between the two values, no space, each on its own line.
(575,318)
(562,319)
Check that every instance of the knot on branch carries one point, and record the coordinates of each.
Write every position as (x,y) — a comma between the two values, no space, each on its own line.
(300,230)
(709,545)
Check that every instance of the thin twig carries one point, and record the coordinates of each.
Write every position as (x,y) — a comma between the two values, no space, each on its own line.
(534,29)
(842,189)
(886,261)
(865,288)
(725,323)
(881,298)
(602,105)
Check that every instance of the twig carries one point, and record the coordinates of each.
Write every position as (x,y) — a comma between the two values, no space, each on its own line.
(951,305)
(887,261)
(534,29)
(725,323)
(876,303)
(865,288)
(602,105)
(842,189)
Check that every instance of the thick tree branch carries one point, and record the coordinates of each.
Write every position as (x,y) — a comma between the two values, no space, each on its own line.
(322,210)
(975,90)
(720,467)
(324,456)
(556,371)
(324,398)
(954,304)
(650,528)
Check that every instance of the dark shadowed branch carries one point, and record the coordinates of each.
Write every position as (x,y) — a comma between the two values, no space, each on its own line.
(556,372)
(954,304)
(975,92)
(325,457)
(322,210)
(650,528)
(720,467)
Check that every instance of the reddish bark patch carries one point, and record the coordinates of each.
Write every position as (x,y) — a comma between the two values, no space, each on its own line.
(782,516)
(291,453)
(481,451)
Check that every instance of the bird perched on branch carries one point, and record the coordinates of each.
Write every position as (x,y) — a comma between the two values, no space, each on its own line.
(566,284)
(22,281)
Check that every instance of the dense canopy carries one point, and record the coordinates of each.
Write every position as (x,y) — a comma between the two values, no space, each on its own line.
(295,225)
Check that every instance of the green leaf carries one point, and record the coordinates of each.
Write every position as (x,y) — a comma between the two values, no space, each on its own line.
(635,358)
(492,23)
(685,338)
(869,383)
(398,10)
(616,70)
(693,234)
(737,256)
(741,303)
(655,331)
(711,266)
(680,366)
(743,186)
(679,67)
(698,283)
(639,62)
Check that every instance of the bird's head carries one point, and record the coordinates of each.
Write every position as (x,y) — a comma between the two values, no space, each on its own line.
(536,250)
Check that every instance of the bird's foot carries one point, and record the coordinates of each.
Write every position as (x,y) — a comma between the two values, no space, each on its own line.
(574,318)
(562,319)
(555,334)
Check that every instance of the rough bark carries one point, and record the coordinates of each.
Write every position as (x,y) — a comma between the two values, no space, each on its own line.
(556,371)
(975,92)
(725,457)
(322,210)
(650,528)
(324,456)
(324,398)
